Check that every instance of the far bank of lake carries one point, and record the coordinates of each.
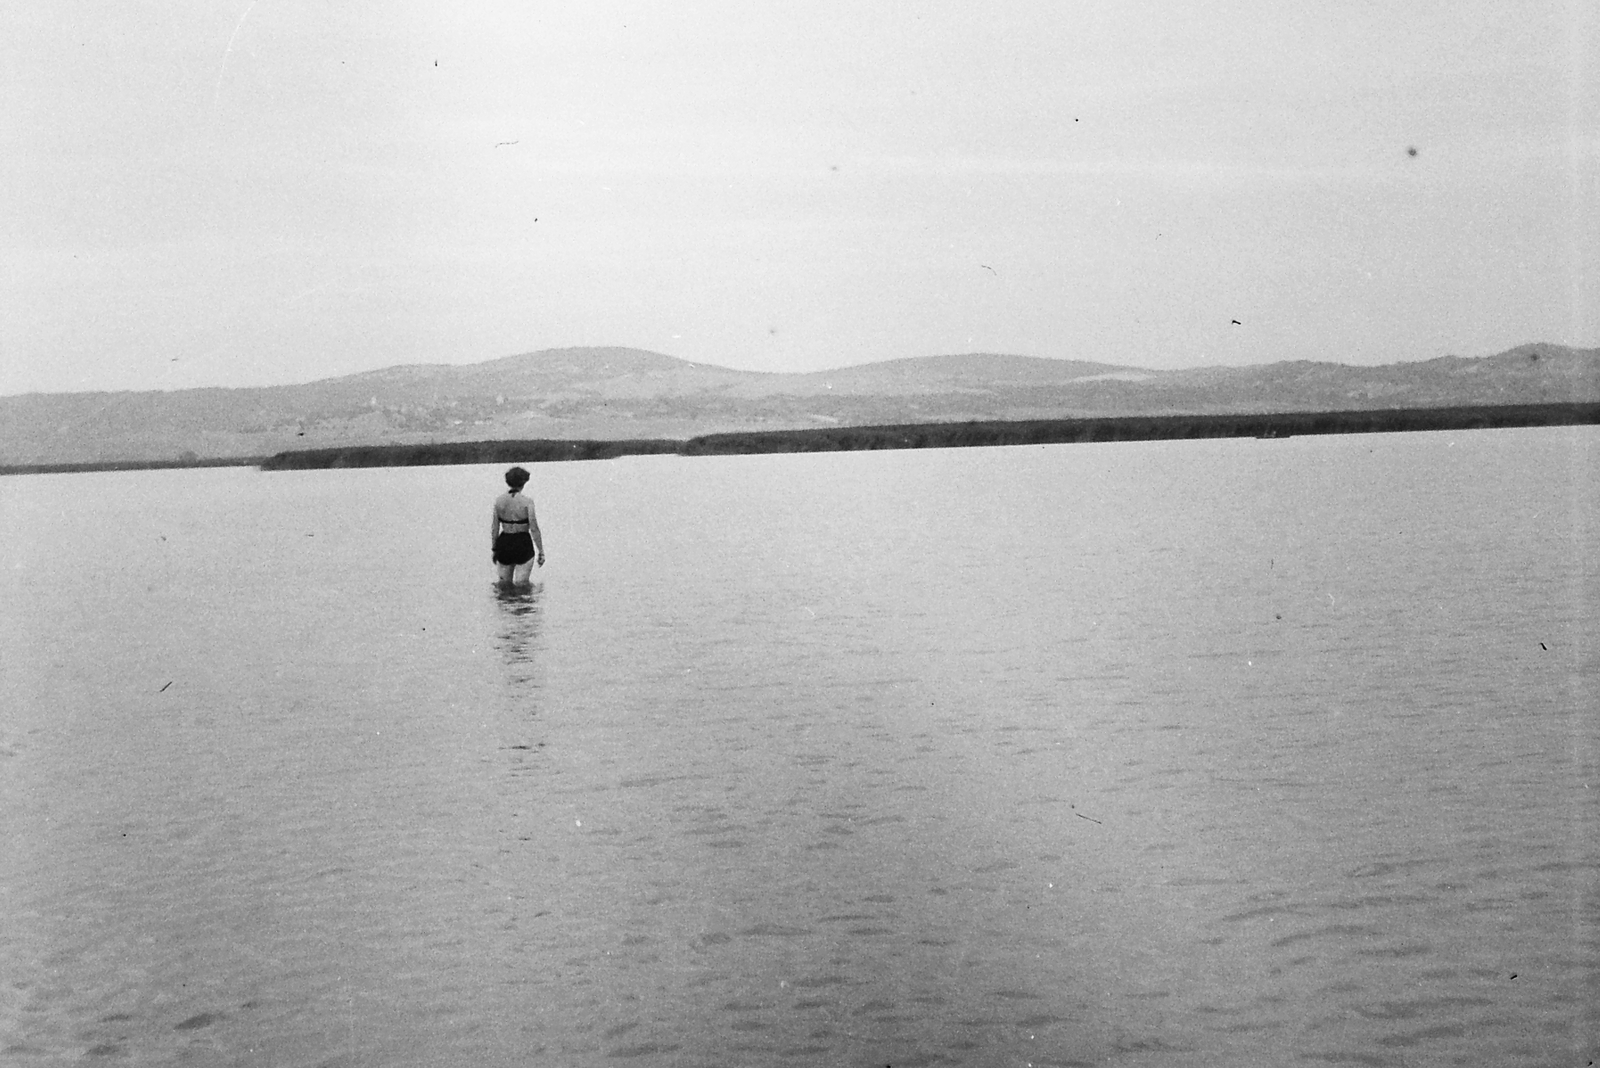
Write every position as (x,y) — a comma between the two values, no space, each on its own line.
(871,438)
(951,435)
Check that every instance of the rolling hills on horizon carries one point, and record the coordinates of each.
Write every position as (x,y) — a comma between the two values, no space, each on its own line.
(621,393)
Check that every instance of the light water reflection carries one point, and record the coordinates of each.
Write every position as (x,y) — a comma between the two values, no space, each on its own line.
(518,638)
(518,642)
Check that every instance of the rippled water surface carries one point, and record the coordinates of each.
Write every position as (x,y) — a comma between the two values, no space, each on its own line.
(1198,753)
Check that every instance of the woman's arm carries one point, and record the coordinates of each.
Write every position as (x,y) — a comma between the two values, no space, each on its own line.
(533,529)
(494,524)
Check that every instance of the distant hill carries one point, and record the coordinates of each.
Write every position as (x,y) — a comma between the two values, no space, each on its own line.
(614,393)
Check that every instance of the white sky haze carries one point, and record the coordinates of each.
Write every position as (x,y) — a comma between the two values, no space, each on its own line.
(254,192)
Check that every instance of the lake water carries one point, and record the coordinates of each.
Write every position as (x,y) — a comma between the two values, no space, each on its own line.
(1185,753)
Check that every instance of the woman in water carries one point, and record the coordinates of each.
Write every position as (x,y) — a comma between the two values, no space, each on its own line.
(514,532)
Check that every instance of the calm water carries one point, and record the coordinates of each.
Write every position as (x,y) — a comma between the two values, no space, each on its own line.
(1200,753)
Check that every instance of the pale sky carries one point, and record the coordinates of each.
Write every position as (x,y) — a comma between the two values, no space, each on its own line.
(256,192)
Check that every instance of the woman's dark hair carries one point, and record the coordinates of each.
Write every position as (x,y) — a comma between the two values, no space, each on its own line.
(516,478)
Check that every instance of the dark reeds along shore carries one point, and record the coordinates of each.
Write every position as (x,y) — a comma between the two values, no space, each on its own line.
(899,436)
(953,435)
(1143,428)
(466,452)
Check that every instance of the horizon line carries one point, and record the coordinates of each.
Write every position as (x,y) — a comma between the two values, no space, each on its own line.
(822,371)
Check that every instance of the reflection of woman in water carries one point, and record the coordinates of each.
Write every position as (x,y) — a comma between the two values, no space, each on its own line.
(514,532)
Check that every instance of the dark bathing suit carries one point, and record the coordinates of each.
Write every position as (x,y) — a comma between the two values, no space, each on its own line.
(513,547)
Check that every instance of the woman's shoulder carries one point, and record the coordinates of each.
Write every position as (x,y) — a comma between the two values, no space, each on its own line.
(508,504)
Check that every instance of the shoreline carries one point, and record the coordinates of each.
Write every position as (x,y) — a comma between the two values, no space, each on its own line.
(91,466)
(973,434)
